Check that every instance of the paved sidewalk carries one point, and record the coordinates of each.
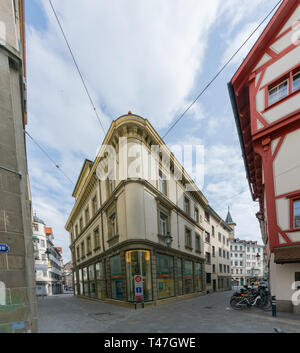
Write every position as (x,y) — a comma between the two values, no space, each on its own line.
(210,313)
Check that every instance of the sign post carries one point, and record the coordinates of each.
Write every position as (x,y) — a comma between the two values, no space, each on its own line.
(138,289)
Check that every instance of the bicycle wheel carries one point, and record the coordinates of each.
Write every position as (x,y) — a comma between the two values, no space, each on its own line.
(235,303)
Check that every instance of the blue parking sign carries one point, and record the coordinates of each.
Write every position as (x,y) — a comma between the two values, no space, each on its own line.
(4,248)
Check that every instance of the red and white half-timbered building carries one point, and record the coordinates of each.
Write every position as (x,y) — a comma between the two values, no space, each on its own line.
(265,96)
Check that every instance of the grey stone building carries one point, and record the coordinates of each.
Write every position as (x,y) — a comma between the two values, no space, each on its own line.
(18,311)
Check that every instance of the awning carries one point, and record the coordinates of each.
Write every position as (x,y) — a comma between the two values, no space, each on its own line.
(287,254)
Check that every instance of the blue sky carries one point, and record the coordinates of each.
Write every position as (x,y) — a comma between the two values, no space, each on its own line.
(152,58)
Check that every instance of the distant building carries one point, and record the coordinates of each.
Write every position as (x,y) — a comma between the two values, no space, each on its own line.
(247,259)
(68,275)
(48,260)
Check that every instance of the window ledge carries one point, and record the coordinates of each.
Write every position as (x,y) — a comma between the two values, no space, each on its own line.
(96,249)
(188,247)
(198,251)
(89,253)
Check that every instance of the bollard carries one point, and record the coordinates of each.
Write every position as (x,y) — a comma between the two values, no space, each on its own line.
(274,306)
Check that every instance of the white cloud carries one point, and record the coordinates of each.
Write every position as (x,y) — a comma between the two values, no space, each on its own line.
(142,56)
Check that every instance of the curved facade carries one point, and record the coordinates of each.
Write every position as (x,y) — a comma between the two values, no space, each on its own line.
(141,221)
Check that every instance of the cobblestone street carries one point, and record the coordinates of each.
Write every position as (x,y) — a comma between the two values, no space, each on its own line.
(210,313)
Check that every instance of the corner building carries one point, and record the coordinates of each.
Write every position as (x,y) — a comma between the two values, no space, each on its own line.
(138,225)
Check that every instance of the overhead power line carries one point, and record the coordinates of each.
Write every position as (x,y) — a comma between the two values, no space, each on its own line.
(76,65)
(219,72)
(48,156)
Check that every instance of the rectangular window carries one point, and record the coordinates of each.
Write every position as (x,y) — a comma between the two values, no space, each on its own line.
(88,245)
(198,277)
(87,215)
(78,253)
(220,237)
(197,243)
(100,281)
(296,214)
(220,267)
(220,252)
(196,215)
(82,249)
(179,273)
(213,251)
(35,227)
(112,226)
(208,278)
(207,258)
(188,238)
(214,268)
(163,219)
(213,231)
(188,277)
(96,239)
(296,81)
(162,183)
(76,230)
(80,224)
(165,276)
(278,92)
(187,206)
(116,277)
(207,237)
(206,216)
(94,205)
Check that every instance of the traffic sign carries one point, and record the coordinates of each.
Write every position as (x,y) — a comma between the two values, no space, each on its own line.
(138,285)
(4,248)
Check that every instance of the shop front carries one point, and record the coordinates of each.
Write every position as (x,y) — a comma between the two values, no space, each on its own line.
(164,275)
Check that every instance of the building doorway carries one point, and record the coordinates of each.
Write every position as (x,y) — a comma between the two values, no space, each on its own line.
(214,285)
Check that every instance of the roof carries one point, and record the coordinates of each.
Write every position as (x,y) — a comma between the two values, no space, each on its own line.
(38,220)
(229,218)
(283,12)
(239,95)
(86,164)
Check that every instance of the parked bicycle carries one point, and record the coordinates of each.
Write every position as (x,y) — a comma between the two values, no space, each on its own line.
(248,297)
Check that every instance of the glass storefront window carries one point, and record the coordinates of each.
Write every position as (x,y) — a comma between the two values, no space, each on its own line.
(75,283)
(100,281)
(179,274)
(116,277)
(80,289)
(165,276)
(85,282)
(188,277)
(92,285)
(91,273)
(198,277)
(138,262)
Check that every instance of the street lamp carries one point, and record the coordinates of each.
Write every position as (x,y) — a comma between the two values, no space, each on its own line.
(168,239)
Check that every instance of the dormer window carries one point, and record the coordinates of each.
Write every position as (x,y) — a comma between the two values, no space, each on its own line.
(278,92)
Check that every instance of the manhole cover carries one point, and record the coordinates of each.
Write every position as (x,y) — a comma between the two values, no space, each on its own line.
(208,307)
(102,314)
